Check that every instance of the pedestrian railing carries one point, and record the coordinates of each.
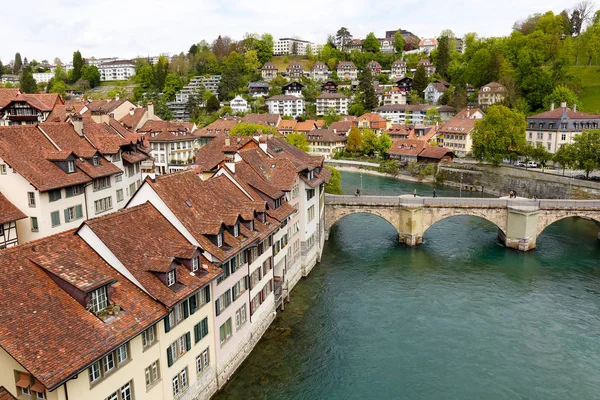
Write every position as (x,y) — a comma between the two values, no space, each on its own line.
(460,202)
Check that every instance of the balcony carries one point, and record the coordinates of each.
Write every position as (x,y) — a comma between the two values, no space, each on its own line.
(278,290)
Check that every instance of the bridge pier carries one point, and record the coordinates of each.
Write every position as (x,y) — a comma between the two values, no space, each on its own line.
(521,229)
(410,231)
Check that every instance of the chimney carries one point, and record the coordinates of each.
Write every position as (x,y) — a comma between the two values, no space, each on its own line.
(227,141)
(150,111)
(77,122)
(551,106)
(574,107)
(117,96)
(563,104)
(131,111)
(468,112)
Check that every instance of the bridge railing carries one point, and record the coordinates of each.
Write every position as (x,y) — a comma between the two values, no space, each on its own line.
(462,202)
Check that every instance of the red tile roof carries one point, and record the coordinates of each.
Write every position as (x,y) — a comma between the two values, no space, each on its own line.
(306,126)
(265,119)
(8,211)
(168,131)
(557,113)
(222,125)
(48,331)
(407,147)
(7,95)
(214,152)
(325,135)
(61,112)
(461,123)
(4,395)
(279,148)
(133,118)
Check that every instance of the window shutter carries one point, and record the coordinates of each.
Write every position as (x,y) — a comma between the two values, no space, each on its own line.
(193,304)
(204,327)
(167,325)
(78,212)
(207,294)
(169,356)
(186,309)
(66,215)
(217,307)
(197,334)
(233,292)
(188,341)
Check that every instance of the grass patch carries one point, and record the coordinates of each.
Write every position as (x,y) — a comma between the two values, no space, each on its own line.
(280,64)
(589,95)
(117,83)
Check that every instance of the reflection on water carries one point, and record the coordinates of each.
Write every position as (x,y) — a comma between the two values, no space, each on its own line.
(459,317)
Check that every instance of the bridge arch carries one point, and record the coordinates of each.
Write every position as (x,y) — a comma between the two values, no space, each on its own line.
(336,213)
(548,217)
(497,216)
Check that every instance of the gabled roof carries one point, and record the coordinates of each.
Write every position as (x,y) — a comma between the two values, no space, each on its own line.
(280,173)
(325,135)
(265,119)
(133,118)
(269,65)
(5,395)
(462,123)
(7,95)
(221,125)
(210,156)
(168,131)
(287,125)
(348,64)
(44,102)
(105,106)
(341,126)
(279,148)
(399,63)
(327,95)
(372,117)
(44,328)
(407,147)
(559,112)
(8,211)
(283,97)
(319,65)
(61,112)
(306,126)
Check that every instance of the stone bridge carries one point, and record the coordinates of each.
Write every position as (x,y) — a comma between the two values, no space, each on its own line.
(519,221)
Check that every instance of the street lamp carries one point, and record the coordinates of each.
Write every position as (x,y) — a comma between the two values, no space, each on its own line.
(460,188)
(361,189)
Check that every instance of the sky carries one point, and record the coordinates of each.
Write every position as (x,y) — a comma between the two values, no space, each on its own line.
(45,29)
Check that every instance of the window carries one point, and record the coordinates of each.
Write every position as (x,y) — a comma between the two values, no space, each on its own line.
(178,348)
(2,169)
(220,240)
(201,330)
(101,183)
(195,263)
(70,166)
(236,230)
(149,337)
(34,224)
(540,136)
(171,277)
(54,195)
(130,170)
(109,362)
(132,189)
(55,218)
(125,393)
(99,300)
(40,395)
(73,213)
(240,317)
(199,299)
(95,371)
(116,157)
(96,161)
(31,199)
(103,205)
(202,362)
(223,302)
(73,191)
(549,146)
(311,213)
(119,195)
(119,177)
(225,331)
(137,168)
(152,374)
(563,136)
(239,288)
(122,354)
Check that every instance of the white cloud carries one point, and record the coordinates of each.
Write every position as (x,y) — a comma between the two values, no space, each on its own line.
(128,28)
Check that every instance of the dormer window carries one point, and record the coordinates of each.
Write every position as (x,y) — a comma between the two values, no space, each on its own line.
(171,278)
(70,166)
(220,240)
(99,300)
(236,230)
(96,161)
(195,263)
(277,203)
(251,225)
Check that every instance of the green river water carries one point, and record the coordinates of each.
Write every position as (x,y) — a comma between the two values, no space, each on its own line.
(459,317)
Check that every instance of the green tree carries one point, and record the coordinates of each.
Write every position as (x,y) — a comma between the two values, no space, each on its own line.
(343,38)
(213,104)
(160,72)
(248,129)
(26,82)
(298,140)
(366,89)
(264,48)
(194,106)
(331,116)
(561,94)
(251,62)
(334,186)
(90,74)
(541,155)
(415,97)
(563,157)
(58,87)
(18,64)
(585,151)
(442,59)
(383,144)
(369,142)
(371,43)
(231,79)
(173,84)
(77,65)
(420,81)
(355,140)
(399,43)
(432,116)
(59,73)
(501,130)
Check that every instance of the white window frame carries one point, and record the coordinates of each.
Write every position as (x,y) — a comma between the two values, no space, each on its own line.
(195,263)
(122,354)
(171,278)
(99,299)
(70,166)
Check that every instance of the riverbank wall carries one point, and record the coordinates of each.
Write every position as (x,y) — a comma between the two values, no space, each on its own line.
(501,180)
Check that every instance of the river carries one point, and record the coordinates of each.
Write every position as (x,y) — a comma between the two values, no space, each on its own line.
(459,317)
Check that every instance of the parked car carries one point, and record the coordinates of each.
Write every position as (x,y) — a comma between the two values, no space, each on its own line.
(519,164)
(532,164)
(581,176)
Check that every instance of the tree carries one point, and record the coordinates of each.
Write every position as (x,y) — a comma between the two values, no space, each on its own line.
(59,73)
(26,82)
(213,104)
(501,130)
(18,64)
(383,144)
(420,81)
(77,66)
(160,72)
(298,140)
(173,84)
(193,106)
(442,59)
(585,151)
(582,13)
(233,71)
(251,62)
(415,97)
(1,69)
(58,87)
(399,43)
(563,157)
(354,140)
(541,155)
(366,89)
(331,116)
(91,74)
(356,109)
(561,94)
(343,38)
(432,116)
(334,186)
(248,129)
(371,43)
(369,142)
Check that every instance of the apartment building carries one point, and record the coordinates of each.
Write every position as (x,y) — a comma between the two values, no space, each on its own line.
(18,108)
(346,70)
(332,101)
(297,47)
(398,69)
(269,71)
(295,70)
(558,126)
(490,94)
(238,104)
(291,106)
(456,133)
(429,67)
(319,72)
(412,114)
(325,143)
(118,70)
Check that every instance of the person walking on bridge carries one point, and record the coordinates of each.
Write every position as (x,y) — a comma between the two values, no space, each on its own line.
(434,193)
(415,193)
